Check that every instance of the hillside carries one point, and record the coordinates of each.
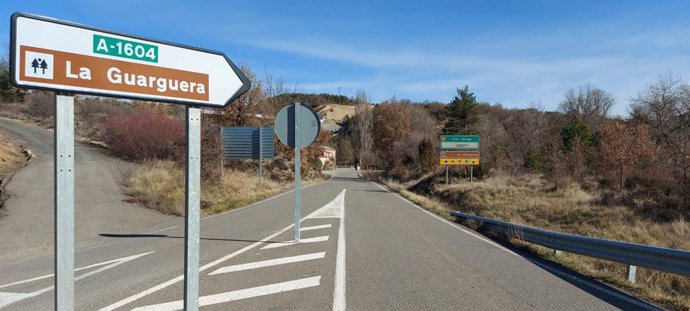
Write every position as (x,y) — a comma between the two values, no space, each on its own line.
(334,114)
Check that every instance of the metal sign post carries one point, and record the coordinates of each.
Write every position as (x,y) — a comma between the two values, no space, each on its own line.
(261,162)
(298,173)
(247,143)
(64,202)
(297,126)
(192,210)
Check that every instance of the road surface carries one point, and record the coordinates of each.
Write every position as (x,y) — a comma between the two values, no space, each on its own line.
(362,248)
(26,221)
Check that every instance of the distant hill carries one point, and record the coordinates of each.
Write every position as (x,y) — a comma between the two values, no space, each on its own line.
(333,115)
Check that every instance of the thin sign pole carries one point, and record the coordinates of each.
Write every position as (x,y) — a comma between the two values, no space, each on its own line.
(192,210)
(261,164)
(446,174)
(64,202)
(298,172)
(471,172)
(222,155)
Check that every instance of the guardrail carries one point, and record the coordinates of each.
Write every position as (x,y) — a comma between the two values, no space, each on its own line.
(656,258)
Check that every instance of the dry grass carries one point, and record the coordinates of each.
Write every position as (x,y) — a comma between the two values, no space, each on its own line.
(11,155)
(431,204)
(336,113)
(160,186)
(528,200)
(238,189)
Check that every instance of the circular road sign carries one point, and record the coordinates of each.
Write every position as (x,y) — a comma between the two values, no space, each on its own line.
(309,125)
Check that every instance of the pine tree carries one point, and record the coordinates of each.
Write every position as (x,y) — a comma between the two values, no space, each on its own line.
(462,113)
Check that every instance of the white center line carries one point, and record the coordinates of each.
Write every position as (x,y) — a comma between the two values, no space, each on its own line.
(238,294)
(269,263)
(301,241)
(315,227)
(339,288)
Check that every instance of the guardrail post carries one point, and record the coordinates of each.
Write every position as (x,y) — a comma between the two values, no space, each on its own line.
(632,273)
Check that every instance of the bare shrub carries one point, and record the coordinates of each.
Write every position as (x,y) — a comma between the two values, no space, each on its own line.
(142,136)
(40,106)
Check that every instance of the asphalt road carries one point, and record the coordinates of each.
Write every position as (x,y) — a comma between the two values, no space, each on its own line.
(362,248)
(26,220)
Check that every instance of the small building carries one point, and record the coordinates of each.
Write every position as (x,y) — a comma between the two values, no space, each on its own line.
(327,155)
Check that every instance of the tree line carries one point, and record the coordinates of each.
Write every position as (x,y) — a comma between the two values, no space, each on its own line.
(646,155)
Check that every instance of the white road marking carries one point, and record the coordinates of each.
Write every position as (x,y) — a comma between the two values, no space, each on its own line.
(315,227)
(269,263)
(75,270)
(238,294)
(452,224)
(339,288)
(301,241)
(163,285)
(8,298)
(330,210)
(14,297)
(170,282)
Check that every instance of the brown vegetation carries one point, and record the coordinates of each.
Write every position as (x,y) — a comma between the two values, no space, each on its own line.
(11,156)
(160,186)
(575,171)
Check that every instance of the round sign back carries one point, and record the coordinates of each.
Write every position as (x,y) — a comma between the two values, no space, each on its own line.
(309,125)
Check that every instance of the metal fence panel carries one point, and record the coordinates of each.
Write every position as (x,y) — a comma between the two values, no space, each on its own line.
(247,143)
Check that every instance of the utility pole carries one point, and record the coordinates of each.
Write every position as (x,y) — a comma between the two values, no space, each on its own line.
(339,94)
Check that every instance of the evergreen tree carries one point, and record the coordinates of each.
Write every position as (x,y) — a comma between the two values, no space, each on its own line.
(576,130)
(344,153)
(462,112)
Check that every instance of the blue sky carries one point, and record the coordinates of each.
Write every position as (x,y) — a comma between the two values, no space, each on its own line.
(516,53)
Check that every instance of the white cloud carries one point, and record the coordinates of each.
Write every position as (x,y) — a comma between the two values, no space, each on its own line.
(516,77)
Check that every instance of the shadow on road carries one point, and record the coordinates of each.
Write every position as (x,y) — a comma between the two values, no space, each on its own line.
(351,179)
(146,235)
(367,190)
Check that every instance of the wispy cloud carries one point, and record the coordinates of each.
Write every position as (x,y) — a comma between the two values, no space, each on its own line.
(515,80)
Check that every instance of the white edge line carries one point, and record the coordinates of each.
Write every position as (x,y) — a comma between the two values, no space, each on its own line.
(244,207)
(264,200)
(339,301)
(269,263)
(452,224)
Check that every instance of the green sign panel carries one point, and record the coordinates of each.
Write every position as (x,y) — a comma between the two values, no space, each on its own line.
(125,48)
(460,138)
(460,142)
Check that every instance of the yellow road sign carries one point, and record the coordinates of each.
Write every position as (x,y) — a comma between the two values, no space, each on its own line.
(460,161)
